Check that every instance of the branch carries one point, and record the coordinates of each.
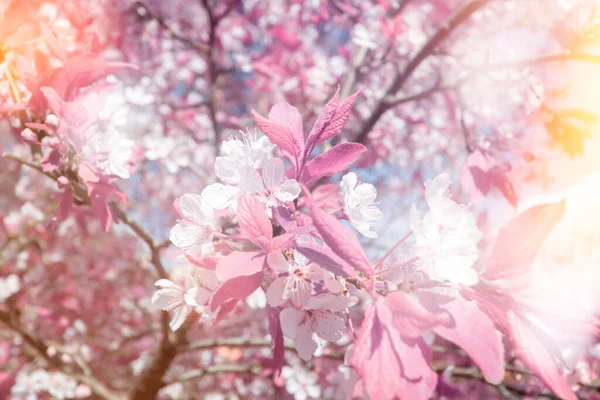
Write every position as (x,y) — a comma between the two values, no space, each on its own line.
(470,7)
(213,75)
(253,369)
(478,72)
(200,47)
(12,321)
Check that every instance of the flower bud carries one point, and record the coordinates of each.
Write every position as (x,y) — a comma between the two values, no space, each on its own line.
(52,121)
(54,142)
(28,136)
(62,182)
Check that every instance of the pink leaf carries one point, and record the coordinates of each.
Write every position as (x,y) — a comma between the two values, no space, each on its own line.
(65,205)
(280,135)
(519,241)
(388,366)
(499,179)
(535,356)
(236,288)
(474,332)
(325,258)
(335,160)
(341,240)
(254,222)
(225,309)
(101,210)
(286,115)
(409,317)
(55,102)
(51,160)
(276,333)
(240,263)
(324,118)
(338,120)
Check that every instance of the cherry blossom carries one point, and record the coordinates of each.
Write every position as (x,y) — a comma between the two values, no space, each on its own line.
(295,281)
(301,384)
(9,286)
(447,236)
(184,295)
(270,185)
(359,204)
(111,152)
(316,321)
(194,233)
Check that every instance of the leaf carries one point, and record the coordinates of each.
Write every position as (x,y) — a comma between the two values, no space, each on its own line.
(499,180)
(284,114)
(339,119)
(534,355)
(325,258)
(335,160)
(254,222)
(51,160)
(323,119)
(55,102)
(409,317)
(277,346)
(235,289)
(65,205)
(240,263)
(280,135)
(474,332)
(341,240)
(388,366)
(520,240)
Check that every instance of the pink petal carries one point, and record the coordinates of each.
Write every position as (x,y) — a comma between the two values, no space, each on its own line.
(276,292)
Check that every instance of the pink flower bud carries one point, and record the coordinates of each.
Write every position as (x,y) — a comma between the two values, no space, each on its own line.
(28,136)
(62,182)
(52,121)
(54,142)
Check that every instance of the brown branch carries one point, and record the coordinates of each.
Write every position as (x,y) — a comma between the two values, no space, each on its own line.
(470,7)
(12,321)
(253,369)
(200,47)
(213,75)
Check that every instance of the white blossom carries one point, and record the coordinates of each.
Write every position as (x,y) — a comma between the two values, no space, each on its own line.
(300,383)
(9,286)
(447,236)
(111,152)
(195,231)
(359,204)
(187,292)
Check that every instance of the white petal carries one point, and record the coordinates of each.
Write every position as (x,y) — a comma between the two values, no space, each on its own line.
(305,344)
(165,283)
(276,292)
(251,181)
(272,173)
(227,169)
(290,318)
(197,296)
(181,313)
(288,191)
(186,235)
(329,327)
(167,299)
(277,262)
(348,182)
(219,196)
